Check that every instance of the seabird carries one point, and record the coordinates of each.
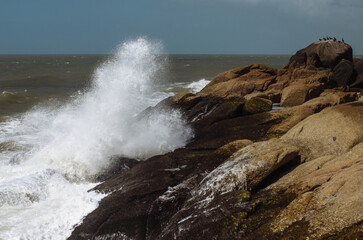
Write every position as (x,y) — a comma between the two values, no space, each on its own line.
(334,39)
(342,39)
(319,39)
(324,39)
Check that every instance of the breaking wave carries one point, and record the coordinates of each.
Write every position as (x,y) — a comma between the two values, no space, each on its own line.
(50,153)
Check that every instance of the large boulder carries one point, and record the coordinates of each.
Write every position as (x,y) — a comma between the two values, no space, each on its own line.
(330,52)
(333,131)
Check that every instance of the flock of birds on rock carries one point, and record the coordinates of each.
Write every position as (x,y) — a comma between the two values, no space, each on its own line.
(329,38)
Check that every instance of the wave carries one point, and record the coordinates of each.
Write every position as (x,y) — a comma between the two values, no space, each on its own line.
(197,86)
(52,153)
(17,97)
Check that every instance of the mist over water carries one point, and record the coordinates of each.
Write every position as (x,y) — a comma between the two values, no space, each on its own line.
(49,154)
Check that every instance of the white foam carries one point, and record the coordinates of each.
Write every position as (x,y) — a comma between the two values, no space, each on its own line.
(49,154)
(44,206)
(197,86)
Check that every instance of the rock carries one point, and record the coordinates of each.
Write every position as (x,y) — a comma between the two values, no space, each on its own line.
(358,83)
(132,193)
(308,76)
(256,94)
(358,74)
(299,93)
(257,105)
(333,131)
(249,166)
(221,185)
(244,170)
(117,166)
(329,52)
(184,101)
(289,117)
(358,65)
(226,110)
(240,81)
(263,125)
(233,146)
(300,76)
(298,60)
(342,73)
(213,109)
(329,195)
(313,60)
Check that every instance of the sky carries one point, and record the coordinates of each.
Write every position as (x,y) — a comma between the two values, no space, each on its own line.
(183,26)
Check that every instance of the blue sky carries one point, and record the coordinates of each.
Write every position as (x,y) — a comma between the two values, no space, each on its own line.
(183,26)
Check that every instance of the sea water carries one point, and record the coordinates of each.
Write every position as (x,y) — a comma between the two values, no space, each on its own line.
(63,117)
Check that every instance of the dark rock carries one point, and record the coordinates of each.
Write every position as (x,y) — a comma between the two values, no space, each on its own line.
(342,73)
(358,83)
(298,60)
(117,166)
(313,60)
(243,171)
(358,65)
(358,74)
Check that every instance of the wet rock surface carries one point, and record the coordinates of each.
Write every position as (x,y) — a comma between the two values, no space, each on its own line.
(249,172)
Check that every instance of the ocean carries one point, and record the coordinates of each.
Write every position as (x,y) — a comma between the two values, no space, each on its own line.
(62,117)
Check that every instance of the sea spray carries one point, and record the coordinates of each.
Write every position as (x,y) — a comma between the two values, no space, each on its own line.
(51,153)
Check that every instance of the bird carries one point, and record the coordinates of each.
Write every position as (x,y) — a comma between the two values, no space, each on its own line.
(334,39)
(319,39)
(324,39)
(342,39)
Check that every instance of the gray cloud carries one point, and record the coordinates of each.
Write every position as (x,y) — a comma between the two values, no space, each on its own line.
(307,7)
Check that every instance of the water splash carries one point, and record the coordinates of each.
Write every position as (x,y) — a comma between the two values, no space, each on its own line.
(50,153)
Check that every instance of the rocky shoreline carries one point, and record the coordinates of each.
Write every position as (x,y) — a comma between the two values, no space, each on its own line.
(249,172)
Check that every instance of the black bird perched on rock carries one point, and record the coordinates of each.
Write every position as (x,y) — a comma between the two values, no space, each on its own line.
(324,39)
(334,39)
(342,39)
(319,39)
